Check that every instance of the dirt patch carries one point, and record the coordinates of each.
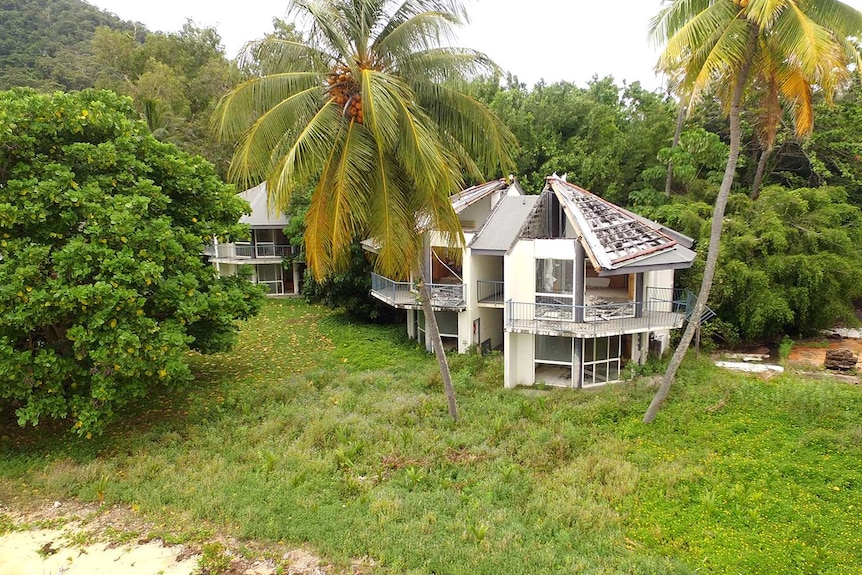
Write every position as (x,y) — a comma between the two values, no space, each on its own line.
(80,539)
(812,353)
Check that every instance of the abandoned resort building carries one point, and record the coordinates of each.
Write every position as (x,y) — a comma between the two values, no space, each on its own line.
(266,251)
(570,287)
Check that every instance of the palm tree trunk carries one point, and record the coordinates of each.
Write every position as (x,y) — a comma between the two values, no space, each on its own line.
(432,331)
(758,174)
(714,239)
(680,118)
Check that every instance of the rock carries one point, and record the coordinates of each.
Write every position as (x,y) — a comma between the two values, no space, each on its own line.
(840,359)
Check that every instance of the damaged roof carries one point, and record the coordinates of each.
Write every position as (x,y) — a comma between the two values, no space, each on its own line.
(469,196)
(614,237)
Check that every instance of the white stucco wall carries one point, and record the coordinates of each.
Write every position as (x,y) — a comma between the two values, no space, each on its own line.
(519,368)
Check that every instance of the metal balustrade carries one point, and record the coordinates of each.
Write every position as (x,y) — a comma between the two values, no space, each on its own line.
(489,291)
(404,294)
(661,309)
(251,251)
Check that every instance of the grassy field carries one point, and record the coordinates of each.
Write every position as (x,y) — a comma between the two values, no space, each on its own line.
(321,432)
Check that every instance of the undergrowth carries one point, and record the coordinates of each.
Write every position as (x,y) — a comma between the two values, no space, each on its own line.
(319,431)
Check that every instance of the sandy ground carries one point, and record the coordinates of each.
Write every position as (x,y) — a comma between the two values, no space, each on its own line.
(71,538)
(53,551)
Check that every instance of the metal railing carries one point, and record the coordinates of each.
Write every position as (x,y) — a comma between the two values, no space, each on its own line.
(251,251)
(489,291)
(661,309)
(404,294)
(275,287)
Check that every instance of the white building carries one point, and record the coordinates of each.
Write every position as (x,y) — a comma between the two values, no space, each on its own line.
(568,285)
(265,252)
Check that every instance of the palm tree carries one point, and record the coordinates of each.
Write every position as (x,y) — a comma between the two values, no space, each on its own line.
(722,45)
(372,109)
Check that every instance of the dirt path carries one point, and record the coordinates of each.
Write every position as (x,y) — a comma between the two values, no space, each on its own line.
(71,538)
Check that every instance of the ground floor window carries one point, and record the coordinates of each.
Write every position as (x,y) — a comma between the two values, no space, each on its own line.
(270,275)
(447,323)
(553,360)
(601,360)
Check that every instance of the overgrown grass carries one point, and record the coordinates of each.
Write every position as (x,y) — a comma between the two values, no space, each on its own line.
(318,431)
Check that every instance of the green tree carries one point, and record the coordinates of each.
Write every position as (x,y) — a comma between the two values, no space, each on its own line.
(375,110)
(102,284)
(724,44)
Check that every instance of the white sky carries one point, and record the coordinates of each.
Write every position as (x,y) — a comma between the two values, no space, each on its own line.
(534,39)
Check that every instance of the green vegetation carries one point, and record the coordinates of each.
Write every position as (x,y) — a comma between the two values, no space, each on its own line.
(102,283)
(46,45)
(317,430)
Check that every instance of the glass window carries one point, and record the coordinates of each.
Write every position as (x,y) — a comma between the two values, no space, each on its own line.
(551,348)
(555,276)
(269,273)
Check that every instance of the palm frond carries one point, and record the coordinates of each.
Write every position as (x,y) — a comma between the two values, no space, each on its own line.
(237,110)
(253,156)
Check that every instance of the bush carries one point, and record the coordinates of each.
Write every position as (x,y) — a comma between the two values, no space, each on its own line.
(103,287)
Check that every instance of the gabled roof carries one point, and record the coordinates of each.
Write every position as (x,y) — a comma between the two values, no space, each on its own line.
(501,228)
(261,217)
(615,238)
(469,196)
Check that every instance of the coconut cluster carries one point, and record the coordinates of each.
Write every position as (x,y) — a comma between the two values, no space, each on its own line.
(345,92)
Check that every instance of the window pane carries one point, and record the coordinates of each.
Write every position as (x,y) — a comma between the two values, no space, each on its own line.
(554,276)
(614,370)
(589,350)
(601,348)
(601,371)
(550,348)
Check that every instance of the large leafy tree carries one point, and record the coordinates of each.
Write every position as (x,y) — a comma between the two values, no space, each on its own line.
(373,109)
(102,284)
(790,45)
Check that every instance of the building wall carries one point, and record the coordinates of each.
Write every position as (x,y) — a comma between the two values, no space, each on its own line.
(518,360)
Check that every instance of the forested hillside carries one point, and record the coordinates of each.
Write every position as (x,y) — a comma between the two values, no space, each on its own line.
(46,44)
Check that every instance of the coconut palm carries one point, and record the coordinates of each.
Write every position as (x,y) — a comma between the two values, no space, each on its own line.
(722,45)
(371,108)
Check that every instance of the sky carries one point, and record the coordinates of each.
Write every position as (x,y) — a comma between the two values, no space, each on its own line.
(553,40)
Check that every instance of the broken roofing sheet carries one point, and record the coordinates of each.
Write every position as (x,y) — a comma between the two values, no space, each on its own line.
(614,237)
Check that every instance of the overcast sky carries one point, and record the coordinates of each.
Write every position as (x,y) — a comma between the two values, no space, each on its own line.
(534,39)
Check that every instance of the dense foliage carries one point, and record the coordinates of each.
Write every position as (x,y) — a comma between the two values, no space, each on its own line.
(102,283)
(46,45)
(175,79)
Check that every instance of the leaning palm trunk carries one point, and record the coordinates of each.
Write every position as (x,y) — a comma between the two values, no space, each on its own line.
(712,253)
(432,331)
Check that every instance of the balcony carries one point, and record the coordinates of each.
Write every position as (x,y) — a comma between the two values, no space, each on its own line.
(404,295)
(247,251)
(489,293)
(662,309)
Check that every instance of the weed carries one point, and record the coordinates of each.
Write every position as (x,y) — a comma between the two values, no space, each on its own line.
(784,348)
(214,560)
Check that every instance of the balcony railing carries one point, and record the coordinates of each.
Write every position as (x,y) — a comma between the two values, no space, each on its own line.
(251,251)
(489,291)
(662,309)
(405,295)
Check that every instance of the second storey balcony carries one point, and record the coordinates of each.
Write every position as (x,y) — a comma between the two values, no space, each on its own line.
(404,295)
(661,309)
(242,252)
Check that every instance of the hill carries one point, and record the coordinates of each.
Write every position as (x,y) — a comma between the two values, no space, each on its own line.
(46,44)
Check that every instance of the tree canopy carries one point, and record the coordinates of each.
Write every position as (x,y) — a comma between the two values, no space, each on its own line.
(103,287)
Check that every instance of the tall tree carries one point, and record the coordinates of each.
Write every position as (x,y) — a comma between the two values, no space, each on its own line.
(722,45)
(374,109)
